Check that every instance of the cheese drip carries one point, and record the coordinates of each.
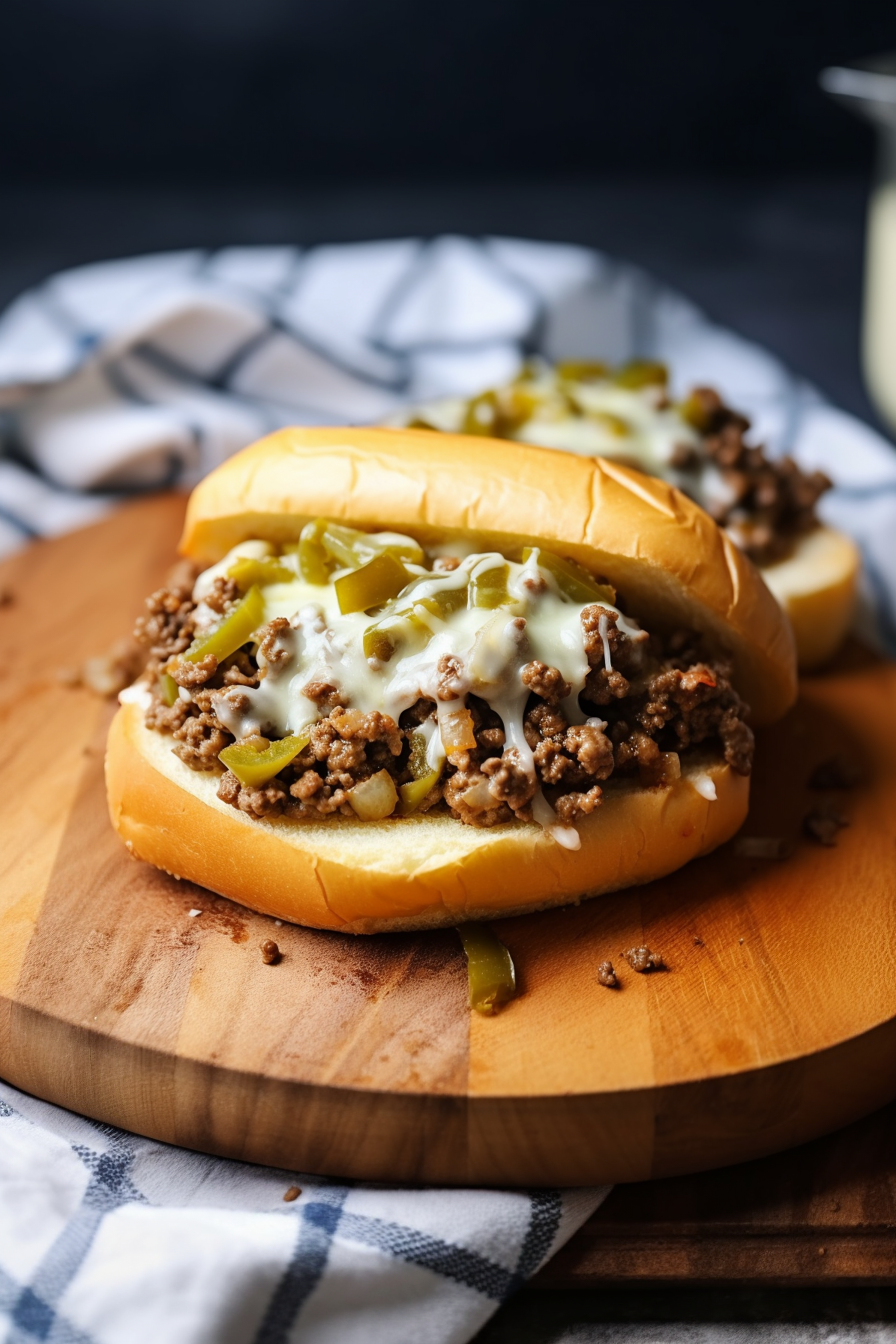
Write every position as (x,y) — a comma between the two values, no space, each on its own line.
(489,646)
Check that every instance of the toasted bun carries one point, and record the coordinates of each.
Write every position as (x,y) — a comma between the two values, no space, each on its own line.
(671,564)
(404,873)
(816,586)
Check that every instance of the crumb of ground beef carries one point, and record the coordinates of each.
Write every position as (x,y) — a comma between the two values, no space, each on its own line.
(603,687)
(834,773)
(446,564)
(189,674)
(239,670)
(265,801)
(509,781)
(199,740)
(275,643)
(822,825)
(229,788)
(222,595)
(167,718)
(642,960)
(546,682)
(108,673)
(7,597)
(571,807)
(626,655)
(449,678)
(606,976)
(325,696)
(591,748)
(468,795)
(543,721)
(167,627)
(270,955)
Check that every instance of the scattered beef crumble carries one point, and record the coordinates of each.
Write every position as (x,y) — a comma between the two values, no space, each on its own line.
(662,697)
(822,825)
(606,976)
(642,960)
(834,773)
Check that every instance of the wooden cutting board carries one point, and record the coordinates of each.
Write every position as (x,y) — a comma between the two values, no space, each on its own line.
(775,1022)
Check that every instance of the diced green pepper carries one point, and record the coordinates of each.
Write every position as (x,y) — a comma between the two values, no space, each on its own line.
(412,794)
(488,588)
(314,564)
(572,580)
(380,579)
(167,689)
(499,414)
(351,548)
(417,762)
(639,373)
(490,968)
(235,630)
(443,602)
(582,370)
(245,571)
(255,767)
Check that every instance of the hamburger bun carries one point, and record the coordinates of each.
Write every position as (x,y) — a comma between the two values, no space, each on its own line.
(675,569)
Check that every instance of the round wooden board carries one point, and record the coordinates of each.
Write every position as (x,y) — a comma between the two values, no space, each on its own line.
(775,1022)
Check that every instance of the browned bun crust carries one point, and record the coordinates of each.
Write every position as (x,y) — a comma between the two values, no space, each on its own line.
(403,873)
(672,565)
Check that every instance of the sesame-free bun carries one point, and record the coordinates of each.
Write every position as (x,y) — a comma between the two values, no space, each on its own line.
(816,585)
(410,872)
(673,567)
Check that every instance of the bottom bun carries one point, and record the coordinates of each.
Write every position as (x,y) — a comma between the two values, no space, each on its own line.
(405,873)
(816,586)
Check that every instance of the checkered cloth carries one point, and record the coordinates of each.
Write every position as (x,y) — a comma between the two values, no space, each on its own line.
(140,374)
(106,1238)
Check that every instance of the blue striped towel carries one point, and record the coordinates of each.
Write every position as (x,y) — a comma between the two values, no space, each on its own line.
(135,375)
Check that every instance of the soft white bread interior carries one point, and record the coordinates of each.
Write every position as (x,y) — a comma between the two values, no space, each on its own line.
(405,873)
(672,565)
(816,586)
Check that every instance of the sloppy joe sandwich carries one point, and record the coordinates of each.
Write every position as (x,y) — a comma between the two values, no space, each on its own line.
(417,679)
(767,505)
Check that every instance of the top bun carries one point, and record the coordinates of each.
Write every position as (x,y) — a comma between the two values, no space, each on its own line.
(673,566)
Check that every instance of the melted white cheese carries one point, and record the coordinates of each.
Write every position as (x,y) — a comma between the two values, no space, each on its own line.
(636,426)
(323,645)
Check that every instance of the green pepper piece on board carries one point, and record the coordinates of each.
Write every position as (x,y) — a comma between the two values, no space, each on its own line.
(380,579)
(255,767)
(233,632)
(489,967)
(572,580)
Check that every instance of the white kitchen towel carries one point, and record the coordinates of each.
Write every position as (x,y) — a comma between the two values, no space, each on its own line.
(106,1238)
(132,375)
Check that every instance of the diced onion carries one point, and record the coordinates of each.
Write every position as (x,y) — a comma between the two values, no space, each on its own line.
(456,730)
(374,798)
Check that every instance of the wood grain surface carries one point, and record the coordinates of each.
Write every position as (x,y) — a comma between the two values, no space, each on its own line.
(775,1022)
(823,1215)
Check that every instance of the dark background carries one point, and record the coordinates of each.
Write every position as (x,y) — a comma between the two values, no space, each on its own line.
(277,90)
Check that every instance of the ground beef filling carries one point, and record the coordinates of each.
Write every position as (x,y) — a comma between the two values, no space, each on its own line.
(771,501)
(661,698)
